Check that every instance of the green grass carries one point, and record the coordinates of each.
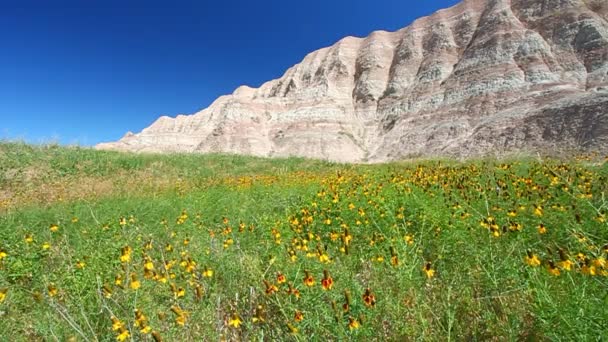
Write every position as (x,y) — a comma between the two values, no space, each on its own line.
(373,228)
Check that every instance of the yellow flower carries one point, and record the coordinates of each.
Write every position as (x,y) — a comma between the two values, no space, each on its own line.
(3,254)
(125,254)
(532,259)
(45,246)
(207,272)
(600,262)
(116,324)
(124,334)
(409,239)
(54,228)
(180,320)
(235,320)
(542,229)
(430,273)
(566,265)
(135,284)
(3,293)
(538,210)
(353,323)
(29,238)
(80,264)
(52,290)
(553,269)
(118,280)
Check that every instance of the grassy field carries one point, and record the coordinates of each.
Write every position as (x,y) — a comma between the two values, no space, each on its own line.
(109,246)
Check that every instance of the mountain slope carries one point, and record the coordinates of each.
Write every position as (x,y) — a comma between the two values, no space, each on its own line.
(484,76)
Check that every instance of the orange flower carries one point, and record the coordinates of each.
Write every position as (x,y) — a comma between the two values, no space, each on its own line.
(369,298)
(270,288)
(327,281)
(281,278)
(299,316)
(308,279)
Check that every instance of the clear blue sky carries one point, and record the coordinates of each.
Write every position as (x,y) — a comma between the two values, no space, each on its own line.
(89,71)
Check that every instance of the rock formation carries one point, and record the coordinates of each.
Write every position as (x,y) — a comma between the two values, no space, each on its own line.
(485,76)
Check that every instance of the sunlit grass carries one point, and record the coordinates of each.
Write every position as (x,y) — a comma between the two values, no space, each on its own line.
(191,247)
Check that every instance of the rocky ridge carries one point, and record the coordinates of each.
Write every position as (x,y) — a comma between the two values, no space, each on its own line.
(485,76)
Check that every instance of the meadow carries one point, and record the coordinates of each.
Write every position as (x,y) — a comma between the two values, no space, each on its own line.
(104,246)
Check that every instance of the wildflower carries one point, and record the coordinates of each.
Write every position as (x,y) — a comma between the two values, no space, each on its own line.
(3,254)
(181,315)
(409,239)
(140,319)
(353,323)
(135,284)
(589,269)
(270,288)
(125,254)
(118,280)
(532,259)
(54,228)
(207,272)
(124,334)
(80,264)
(299,316)
(293,330)
(538,210)
(148,265)
(122,221)
(235,320)
(45,246)
(29,238)
(323,256)
(74,219)
(308,279)
(553,269)
(3,292)
(369,298)
(52,290)
(542,229)
(327,282)
(281,278)
(116,324)
(430,273)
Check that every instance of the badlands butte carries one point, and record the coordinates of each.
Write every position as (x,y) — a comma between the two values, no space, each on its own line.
(482,77)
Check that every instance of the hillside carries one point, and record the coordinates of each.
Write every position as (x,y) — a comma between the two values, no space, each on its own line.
(483,77)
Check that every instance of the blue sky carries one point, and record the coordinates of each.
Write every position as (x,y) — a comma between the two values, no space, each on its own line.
(89,71)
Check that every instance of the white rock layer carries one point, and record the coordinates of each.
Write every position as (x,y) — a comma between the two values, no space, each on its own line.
(485,76)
